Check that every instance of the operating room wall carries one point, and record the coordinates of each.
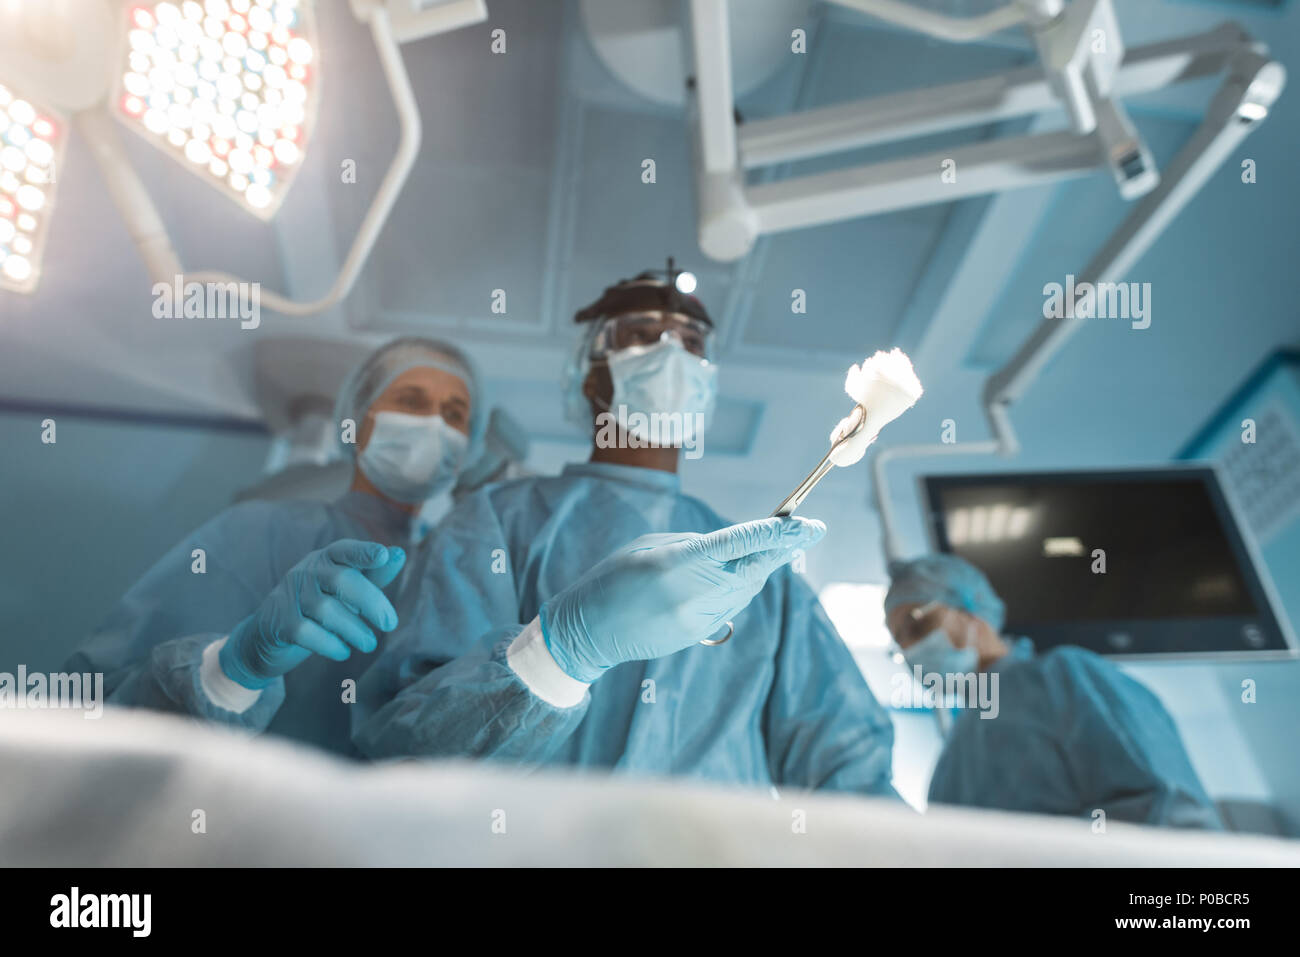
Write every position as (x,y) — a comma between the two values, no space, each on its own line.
(84,517)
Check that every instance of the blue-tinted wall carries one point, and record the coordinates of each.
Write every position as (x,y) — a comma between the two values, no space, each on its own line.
(85,516)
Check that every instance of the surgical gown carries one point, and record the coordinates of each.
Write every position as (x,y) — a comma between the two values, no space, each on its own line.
(150,646)
(781,703)
(1073,734)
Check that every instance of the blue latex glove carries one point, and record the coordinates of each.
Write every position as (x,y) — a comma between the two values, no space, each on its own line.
(662,593)
(322,607)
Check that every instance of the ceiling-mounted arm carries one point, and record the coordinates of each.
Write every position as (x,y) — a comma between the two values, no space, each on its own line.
(714,99)
(951,106)
(728,227)
(1081,52)
(942,26)
(1248,91)
(732,215)
(129,195)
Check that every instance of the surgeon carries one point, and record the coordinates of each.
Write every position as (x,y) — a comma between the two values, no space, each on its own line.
(254,620)
(595,661)
(1071,733)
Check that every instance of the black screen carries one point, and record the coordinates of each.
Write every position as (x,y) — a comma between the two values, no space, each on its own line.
(1042,539)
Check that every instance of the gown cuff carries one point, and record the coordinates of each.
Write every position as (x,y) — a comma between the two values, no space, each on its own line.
(530,659)
(221,690)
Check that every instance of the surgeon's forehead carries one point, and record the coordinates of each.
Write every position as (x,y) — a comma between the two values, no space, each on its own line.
(429,379)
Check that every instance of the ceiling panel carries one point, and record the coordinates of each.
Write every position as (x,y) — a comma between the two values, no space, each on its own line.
(858,276)
(473,215)
(472,232)
(623,225)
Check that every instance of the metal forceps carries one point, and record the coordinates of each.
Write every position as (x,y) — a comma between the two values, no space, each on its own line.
(795,498)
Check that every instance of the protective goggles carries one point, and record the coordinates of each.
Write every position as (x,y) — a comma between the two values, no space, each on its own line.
(648,328)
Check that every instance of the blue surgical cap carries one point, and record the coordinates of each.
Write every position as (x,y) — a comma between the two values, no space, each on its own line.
(948,580)
(368,381)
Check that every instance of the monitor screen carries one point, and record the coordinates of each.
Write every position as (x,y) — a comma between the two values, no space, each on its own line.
(1147,562)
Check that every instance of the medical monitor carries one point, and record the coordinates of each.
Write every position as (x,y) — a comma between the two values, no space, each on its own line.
(1138,562)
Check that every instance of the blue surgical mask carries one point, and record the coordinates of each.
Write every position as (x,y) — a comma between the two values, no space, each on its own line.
(664,378)
(935,654)
(412,458)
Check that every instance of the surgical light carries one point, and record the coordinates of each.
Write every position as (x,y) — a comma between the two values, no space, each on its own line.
(685,282)
(225,87)
(31,149)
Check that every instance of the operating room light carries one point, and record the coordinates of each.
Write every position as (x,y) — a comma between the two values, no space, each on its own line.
(31,145)
(226,87)
(685,282)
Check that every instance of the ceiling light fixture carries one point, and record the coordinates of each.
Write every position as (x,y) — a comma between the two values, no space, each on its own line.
(32,139)
(227,88)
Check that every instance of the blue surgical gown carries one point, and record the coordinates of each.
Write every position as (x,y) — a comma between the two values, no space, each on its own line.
(1073,734)
(151,644)
(781,703)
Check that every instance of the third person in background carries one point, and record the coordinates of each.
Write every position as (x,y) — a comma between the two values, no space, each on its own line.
(1071,733)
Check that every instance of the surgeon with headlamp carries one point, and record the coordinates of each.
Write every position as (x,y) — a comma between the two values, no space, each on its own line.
(253,619)
(561,620)
(643,369)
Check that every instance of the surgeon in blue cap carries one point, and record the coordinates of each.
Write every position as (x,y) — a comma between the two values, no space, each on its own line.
(257,619)
(558,620)
(1071,734)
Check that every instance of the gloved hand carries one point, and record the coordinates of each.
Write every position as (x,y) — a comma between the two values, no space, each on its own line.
(662,593)
(320,607)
